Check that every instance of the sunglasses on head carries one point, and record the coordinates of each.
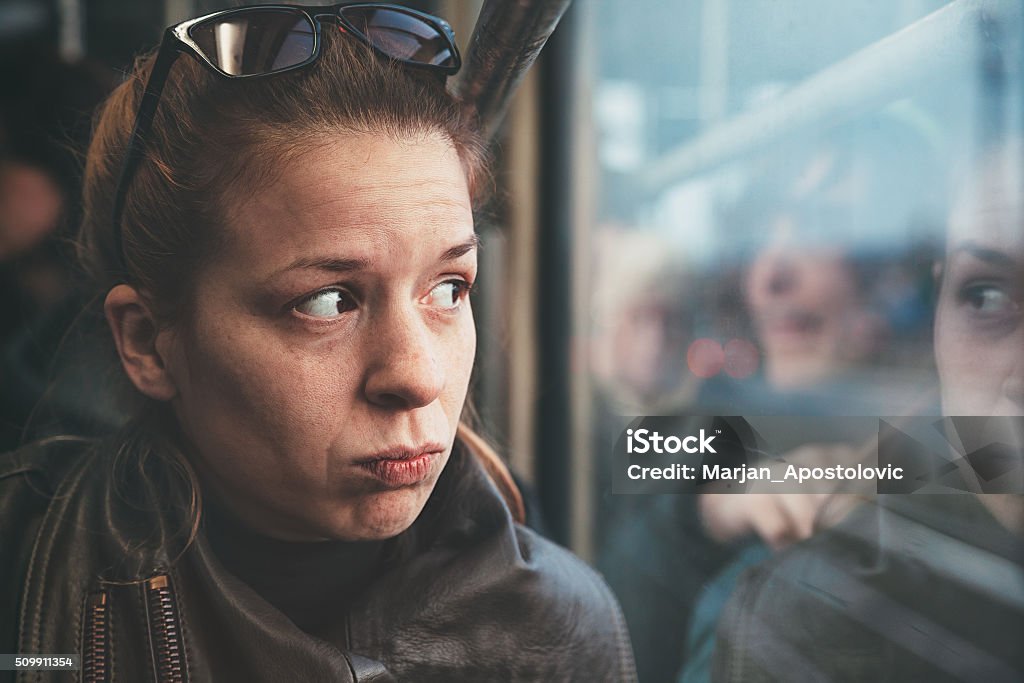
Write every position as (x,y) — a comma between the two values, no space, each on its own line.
(260,40)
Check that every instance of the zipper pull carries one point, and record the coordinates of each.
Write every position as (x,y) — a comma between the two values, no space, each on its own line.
(96,639)
(165,631)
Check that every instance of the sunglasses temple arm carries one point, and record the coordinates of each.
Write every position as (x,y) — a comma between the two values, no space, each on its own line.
(165,58)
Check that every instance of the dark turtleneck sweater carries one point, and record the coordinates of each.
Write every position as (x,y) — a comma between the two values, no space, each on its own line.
(312,583)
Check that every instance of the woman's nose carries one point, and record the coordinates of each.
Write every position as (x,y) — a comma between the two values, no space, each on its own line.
(782,276)
(405,369)
(777,274)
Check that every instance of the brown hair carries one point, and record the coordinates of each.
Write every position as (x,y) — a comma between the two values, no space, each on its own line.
(213,137)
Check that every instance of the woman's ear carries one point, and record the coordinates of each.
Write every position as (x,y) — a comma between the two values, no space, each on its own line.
(135,333)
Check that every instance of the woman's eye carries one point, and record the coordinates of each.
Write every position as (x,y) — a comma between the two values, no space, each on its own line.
(328,303)
(448,294)
(989,300)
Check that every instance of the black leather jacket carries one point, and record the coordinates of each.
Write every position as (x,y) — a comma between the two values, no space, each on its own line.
(85,567)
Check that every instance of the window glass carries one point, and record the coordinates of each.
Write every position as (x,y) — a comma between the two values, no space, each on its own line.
(809,210)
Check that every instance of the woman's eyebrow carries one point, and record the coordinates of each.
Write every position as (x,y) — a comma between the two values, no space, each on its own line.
(346,265)
(982,253)
(461,249)
(338,265)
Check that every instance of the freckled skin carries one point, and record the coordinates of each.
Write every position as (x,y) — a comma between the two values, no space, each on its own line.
(279,405)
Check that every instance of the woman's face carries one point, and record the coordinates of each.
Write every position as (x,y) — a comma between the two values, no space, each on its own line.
(979,326)
(322,373)
(806,310)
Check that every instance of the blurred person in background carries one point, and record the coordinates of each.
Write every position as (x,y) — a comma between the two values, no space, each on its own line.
(643,322)
(838,298)
(45,109)
(841,230)
(833,226)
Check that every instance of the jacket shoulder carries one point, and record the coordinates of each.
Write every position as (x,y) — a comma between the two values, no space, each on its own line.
(29,477)
(579,606)
(39,465)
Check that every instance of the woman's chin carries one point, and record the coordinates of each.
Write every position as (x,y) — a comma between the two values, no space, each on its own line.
(380,515)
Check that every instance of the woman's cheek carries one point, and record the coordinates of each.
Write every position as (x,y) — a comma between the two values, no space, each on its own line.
(964,373)
(461,348)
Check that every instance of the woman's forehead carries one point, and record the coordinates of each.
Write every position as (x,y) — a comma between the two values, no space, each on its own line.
(992,219)
(364,190)
(989,208)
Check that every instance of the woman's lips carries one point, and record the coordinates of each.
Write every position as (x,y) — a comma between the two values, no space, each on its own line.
(402,469)
(792,324)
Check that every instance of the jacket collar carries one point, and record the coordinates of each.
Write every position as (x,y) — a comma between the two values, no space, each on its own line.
(117,520)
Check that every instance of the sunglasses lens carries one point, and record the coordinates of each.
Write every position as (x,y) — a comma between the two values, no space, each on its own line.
(401,36)
(256,42)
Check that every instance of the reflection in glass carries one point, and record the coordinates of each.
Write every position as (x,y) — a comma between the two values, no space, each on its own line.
(841,193)
(261,42)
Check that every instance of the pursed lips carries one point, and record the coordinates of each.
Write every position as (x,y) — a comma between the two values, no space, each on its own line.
(791,322)
(403,466)
(403,452)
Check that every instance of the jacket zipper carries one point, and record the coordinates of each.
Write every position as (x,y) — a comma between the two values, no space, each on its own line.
(165,631)
(96,639)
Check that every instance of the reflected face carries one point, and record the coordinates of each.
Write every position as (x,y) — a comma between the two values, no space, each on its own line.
(325,365)
(806,310)
(979,326)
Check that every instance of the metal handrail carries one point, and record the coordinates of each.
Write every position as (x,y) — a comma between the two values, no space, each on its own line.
(931,46)
(508,37)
